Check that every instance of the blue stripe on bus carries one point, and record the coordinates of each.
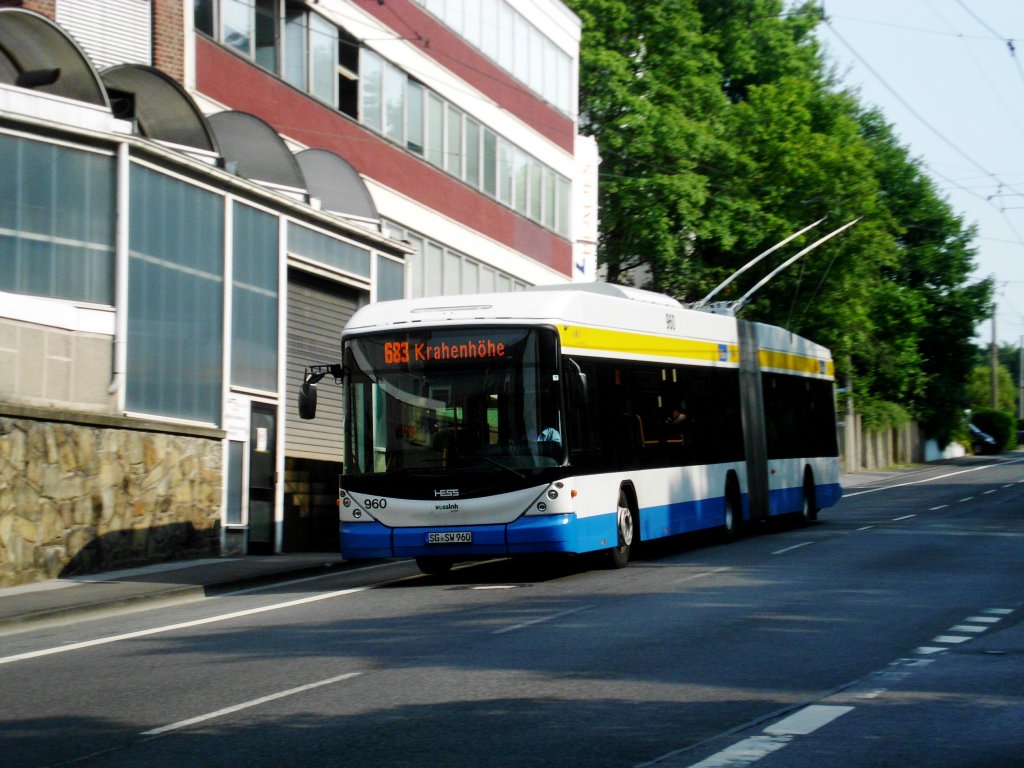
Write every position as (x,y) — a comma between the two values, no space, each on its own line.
(783,501)
(681,517)
(559,533)
(550,534)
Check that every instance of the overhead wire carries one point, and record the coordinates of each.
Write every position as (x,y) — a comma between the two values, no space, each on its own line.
(920,118)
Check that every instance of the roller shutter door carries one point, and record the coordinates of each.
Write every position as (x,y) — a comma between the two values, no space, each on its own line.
(110,31)
(317,311)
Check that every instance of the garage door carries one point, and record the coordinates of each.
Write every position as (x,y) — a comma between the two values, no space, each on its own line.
(317,311)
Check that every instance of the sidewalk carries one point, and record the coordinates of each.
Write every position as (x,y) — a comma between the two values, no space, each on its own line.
(58,600)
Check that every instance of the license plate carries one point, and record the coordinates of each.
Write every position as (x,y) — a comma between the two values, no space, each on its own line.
(450,537)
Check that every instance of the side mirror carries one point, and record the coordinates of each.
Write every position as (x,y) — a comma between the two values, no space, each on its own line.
(307,400)
(307,390)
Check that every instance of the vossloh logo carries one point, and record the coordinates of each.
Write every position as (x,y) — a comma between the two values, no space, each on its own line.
(451,506)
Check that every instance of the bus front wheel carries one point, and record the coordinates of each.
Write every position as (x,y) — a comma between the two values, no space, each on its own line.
(434,566)
(626,531)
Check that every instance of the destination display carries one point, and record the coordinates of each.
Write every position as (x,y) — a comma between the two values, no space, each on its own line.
(450,348)
(400,352)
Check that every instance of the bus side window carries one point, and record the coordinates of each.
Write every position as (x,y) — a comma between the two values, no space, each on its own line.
(581,405)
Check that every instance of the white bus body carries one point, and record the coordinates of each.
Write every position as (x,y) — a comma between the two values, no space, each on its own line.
(448,401)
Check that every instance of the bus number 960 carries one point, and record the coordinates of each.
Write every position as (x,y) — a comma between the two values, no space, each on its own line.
(375,503)
(396,352)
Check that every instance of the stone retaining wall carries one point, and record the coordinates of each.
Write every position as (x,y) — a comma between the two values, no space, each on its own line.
(80,498)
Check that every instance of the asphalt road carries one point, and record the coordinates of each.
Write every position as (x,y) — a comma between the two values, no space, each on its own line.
(830,644)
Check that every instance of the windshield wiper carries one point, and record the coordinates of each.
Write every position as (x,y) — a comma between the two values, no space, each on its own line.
(506,467)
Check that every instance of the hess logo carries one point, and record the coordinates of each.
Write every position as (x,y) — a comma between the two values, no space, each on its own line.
(446,493)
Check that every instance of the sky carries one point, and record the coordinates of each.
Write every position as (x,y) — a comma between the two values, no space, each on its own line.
(949,75)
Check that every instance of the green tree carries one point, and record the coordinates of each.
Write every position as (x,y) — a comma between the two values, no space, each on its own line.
(722,131)
(979,390)
(649,92)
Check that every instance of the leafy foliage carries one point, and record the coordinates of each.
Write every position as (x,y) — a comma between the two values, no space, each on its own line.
(722,131)
(979,390)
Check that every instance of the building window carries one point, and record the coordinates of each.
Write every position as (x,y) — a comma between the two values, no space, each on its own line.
(507,38)
(371,83)
(296,37)
(57,221)
(323,58)
(237,25)
(327,62)
(414,118)
(323,249)
(434,270)
(453,157)
(472,174)
(394,103)
(236,459)
(490,180)
(254,298)
(176,298)
(265,38)
(435,130)
(390,279)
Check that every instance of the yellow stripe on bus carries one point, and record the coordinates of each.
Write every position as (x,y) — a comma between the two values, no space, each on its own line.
(604,340)
(786,361)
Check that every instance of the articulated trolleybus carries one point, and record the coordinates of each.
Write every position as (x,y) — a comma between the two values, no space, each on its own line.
(571,419)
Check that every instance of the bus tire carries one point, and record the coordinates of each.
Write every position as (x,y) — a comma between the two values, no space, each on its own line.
(626,529)
(733,521)
(809,510)
(434,566)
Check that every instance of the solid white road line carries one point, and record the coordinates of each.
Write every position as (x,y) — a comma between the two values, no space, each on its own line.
(807,720)
(705,574)
(933,479)
(541,620)
(790,549)
(182,625)
(247,704)
(745,752)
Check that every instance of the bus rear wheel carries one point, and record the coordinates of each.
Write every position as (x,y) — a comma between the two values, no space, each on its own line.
(733,512)
(626,531)
(809,511)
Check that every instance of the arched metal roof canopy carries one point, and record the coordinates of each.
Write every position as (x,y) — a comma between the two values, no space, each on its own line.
(255,148)
(163,110)
(35,53)
(335,182)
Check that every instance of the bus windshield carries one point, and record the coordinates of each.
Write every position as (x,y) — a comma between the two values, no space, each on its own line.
(485,399)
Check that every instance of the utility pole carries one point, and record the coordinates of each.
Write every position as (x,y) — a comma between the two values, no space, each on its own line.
(1020,381)
(995,365)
